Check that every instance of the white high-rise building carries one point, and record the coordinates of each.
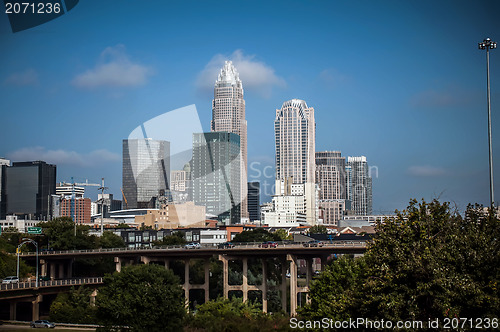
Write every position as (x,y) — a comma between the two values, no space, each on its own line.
(288,207)
(228,115)
(295,137)
(359,185)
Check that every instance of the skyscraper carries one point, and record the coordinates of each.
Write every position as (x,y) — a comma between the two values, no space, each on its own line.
(295,135)
(359,184)
(330,175)
(4,163)
(254,200)
(215,174)
(146,171)
(228,115)
(331,179)
(28,188)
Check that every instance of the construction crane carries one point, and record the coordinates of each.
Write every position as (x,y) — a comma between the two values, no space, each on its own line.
(124,198)
(73,184)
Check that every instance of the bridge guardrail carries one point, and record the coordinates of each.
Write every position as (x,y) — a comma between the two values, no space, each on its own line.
(335,244)
(51,283)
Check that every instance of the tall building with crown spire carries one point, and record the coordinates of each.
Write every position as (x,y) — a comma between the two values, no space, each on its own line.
(295,138)
(228,115)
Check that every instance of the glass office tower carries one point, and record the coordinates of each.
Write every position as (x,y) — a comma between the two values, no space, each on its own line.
(146,171)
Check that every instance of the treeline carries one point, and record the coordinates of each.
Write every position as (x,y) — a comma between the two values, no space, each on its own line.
(57,234)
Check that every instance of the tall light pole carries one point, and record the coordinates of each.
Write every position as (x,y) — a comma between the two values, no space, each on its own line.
(27,240)
(487,44)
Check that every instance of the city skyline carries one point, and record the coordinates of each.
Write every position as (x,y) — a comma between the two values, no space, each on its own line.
(399,82)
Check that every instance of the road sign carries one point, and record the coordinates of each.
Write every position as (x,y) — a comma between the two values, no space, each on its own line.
(34,230)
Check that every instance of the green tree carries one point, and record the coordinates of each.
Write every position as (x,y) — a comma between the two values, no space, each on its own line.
(73,307)
(318,229)
(142,297)
(427,262)
(256,235)
(8,266)
(122,225)
(233,315)
(283,234)
(332,292)
(177,238)
(111,240)
(61,235)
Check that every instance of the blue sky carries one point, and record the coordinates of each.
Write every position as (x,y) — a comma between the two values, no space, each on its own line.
(401,82)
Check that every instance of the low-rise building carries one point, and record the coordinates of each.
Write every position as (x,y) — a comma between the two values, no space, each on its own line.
(171,216)
(20,224)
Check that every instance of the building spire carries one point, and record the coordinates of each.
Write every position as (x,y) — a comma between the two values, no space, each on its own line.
(228,73)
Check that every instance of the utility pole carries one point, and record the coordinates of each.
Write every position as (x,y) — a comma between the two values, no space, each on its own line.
(102,188)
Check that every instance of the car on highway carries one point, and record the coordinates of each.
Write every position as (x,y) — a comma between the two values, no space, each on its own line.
(10,280)
(42,324)
(225,245)
(193,245)
(314,243)
(269,244)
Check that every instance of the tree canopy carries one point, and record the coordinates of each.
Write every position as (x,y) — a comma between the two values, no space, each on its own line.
(256,235)
(233,315)
(61,234)
(177,238)
(142,297)
(73,307)
(427,262)
(111,240)
(318,229)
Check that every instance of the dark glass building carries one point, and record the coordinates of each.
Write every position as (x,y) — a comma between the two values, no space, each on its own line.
(254,200)
(215,174)
(28,188)
(4,163)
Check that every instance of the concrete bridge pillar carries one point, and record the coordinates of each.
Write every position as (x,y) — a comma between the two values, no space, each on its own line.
(35,305)
(293,284)
(167,263)
(309,274)
(69,269)
(60,274)
(186,282)
(13,310)
(284,268)
(225,275)
(145,259)
(244,286)
(43,267)
(52,270)
(93,295)
(206,285)
(264,285)
(118,264)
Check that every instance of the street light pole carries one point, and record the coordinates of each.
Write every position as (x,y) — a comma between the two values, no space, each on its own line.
(27,240)
(487,44)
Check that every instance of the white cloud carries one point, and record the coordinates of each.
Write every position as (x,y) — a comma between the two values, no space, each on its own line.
(115,69)
(64,157)
(426,171)
(26,77)
(255,74)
